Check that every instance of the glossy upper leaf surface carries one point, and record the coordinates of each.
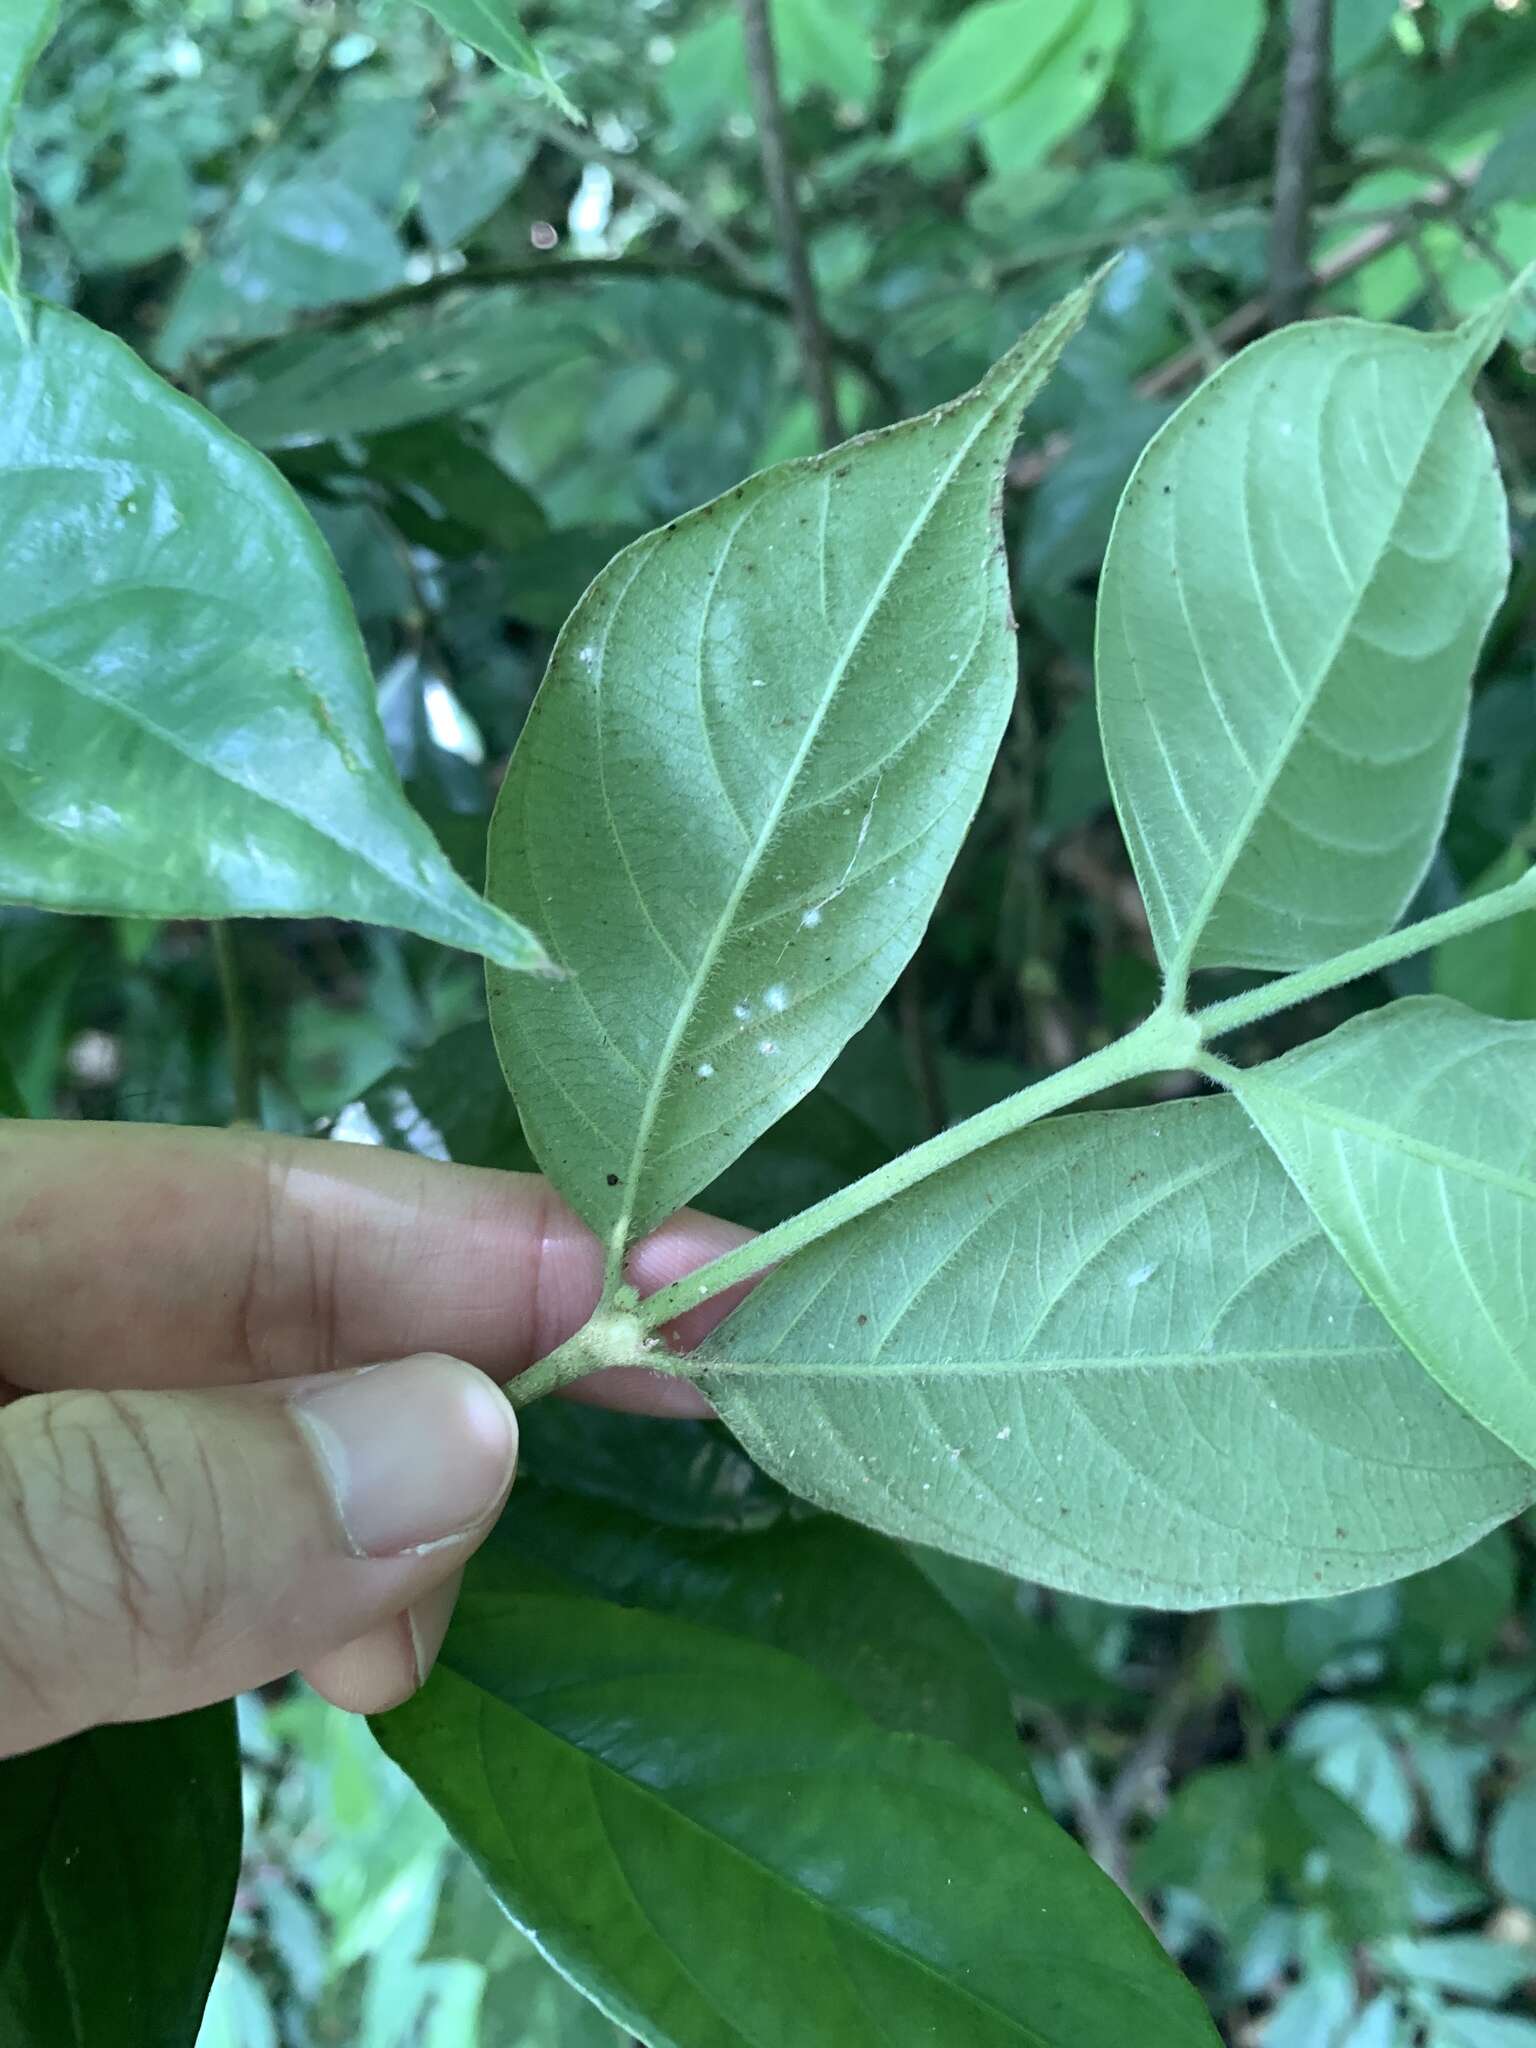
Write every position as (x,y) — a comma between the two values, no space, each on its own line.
(1410,1132)
(850,1603)
(190,723)
(1299,578)
(119,1851)
(1113,1353)
(762,736)
(722,1848)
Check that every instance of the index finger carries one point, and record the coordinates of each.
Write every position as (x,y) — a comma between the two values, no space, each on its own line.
(143,1256)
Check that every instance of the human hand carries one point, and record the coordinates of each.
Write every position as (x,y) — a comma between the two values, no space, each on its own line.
(200,1490)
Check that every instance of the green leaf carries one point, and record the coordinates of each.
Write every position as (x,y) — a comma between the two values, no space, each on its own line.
(1493,969)
(1278,1652)
(450,495)
(467,166)
(1242,1835)
(190,723)
(639,1789)
(29,24)
(821,43)
(688,1475)
(492,27)
(1408,1131)
(450,1102)
(1299,577)
(1512,1846)
(1470,1964)
(1510,169)
(849,1603)
(119,1851)
(1025,72)
(307,242)
(1114,1354)
(1185,64)
(762,736)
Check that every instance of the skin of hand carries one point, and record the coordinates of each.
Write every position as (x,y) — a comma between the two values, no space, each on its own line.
(249,1413)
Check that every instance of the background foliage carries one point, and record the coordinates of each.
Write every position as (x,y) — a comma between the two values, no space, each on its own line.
(490,343)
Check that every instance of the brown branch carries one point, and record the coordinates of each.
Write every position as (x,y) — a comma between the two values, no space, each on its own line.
(778,176)
(1248,319)
(1296,152)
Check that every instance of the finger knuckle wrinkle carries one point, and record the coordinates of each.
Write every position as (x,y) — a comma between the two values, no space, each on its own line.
(107,1537)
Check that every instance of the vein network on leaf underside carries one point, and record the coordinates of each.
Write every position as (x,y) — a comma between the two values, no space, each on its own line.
(1309,694)
(725,923)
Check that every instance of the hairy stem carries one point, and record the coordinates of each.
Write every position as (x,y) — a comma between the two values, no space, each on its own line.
(623,1331)
(1258,1003)
(1164,1041)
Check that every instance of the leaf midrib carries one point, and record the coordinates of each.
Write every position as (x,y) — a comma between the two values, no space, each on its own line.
(1238,842)
(134,715)
(984,1368)
(747,873)
(1421,1149)
(649,1795)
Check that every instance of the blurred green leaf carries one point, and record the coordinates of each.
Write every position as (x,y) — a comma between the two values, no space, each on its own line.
(1242,1834)
(1493,970)
(29,25)
(119,1851)
(494,28)
(1185,63)
(1022,73)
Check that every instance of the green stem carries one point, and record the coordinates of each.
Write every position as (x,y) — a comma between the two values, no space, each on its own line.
(1164,1041)
(623,1332)
(1258,1003)
(625,1336)
(237,1029)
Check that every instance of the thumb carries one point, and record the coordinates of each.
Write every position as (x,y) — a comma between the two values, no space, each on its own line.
(161,1550)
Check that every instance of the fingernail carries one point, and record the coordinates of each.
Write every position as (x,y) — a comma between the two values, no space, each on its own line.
(414,1454)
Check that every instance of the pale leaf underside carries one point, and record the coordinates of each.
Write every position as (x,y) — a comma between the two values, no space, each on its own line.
(1116,1354)
(1300,575)
(1410,1130)
(763,734)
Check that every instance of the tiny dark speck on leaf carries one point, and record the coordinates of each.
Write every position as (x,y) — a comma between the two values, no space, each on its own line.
(841,471)
(1166,489)
(612,1179)
(1341,1534)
